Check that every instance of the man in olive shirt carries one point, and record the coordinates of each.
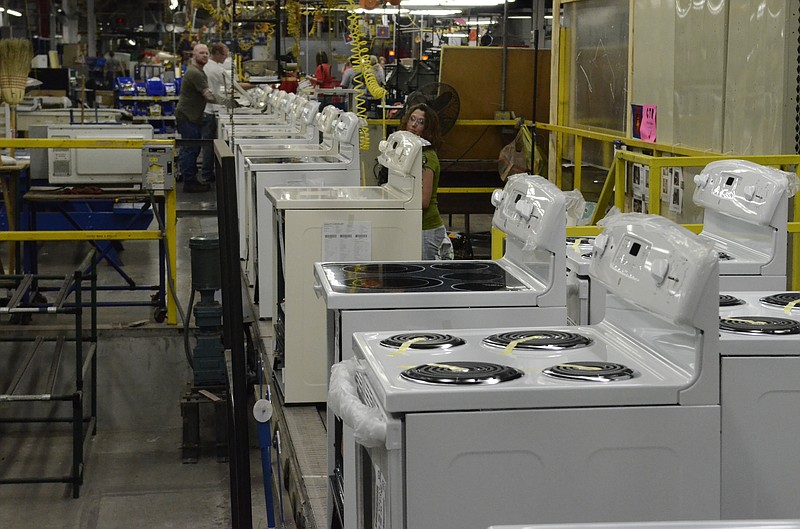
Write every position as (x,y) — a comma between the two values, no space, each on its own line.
(195,93)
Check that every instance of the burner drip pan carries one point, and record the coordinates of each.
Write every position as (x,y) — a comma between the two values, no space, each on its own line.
(726,300)
(538,340)
(590,371)
(420,340)
(462,373)
(759,325)
(783,299)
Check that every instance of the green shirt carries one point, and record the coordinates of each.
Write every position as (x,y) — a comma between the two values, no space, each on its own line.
(430,215)
(191,102)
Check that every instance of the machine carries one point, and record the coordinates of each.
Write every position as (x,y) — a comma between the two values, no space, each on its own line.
(612,422)
(526,286)
(760,359)
(746,210)
(321,223)
(296,168)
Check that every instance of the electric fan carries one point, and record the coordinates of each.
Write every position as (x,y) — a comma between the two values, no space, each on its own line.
(442,98)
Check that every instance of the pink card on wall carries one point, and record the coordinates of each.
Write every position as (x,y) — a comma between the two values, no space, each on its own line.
(647,129)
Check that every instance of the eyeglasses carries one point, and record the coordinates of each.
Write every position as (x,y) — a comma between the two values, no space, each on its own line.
(416,121)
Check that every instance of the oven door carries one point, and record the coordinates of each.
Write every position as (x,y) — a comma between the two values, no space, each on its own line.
(379,471)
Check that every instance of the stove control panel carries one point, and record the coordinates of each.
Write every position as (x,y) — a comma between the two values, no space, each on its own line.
(400,151)
(654,263)
(740,189)
(531,209)
(347,127)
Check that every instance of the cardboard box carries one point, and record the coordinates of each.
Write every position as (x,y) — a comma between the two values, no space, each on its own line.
(104,98)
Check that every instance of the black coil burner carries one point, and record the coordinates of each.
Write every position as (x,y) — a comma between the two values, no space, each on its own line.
(590,371)
(726,300)
(538,340)
(462,373)
(463,265)
(391,282)
(429,340)
(782,299)
(387,268)
(759,325)
(725,257)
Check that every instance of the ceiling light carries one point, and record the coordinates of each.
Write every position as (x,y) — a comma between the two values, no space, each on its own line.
(13,13)
(132,42)
(479,22)
(381,11)
(435,12)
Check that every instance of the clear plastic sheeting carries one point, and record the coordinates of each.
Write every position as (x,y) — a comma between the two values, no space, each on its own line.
(744,190)
(575,205)
(369,429)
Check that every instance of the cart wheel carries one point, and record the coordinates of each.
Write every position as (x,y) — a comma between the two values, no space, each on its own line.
(160,314)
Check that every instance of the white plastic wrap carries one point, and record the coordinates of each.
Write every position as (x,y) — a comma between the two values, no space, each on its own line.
(369,429)
(576,205)
(763,171)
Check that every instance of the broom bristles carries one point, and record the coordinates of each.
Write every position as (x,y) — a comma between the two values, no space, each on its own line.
(15,63)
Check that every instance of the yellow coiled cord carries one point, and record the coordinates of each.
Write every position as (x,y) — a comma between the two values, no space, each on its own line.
(360,60)
(293,14)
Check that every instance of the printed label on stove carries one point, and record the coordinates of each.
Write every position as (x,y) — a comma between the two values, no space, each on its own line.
(347,241)
(379,507)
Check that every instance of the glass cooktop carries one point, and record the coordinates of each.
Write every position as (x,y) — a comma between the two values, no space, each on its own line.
(430,276)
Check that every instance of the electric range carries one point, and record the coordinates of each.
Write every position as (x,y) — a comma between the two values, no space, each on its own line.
(585,298)
(321,223)
(526,286)
(339,166)
(760,359)
(466,428)
(746,211)
(712,524)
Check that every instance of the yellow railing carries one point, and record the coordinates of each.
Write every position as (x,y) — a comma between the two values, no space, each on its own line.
(169,235)
(662,156)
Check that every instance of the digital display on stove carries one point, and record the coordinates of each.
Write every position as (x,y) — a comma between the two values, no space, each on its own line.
(425,276)
(635,247)
(729,181)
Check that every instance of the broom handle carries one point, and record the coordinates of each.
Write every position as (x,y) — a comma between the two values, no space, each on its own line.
(13,112)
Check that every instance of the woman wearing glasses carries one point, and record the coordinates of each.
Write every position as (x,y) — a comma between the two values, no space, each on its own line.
(423,121)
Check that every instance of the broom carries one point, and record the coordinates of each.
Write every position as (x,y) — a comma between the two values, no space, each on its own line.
(15,63)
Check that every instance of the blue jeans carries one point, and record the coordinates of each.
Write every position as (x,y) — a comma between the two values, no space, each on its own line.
(209,133)
(187,155)
(436,245)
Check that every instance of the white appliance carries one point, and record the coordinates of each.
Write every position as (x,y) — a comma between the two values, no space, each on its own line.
(711,524)
(317,223)
(245,142)
(526,286)
(300,121)
(617,421)
(760,395)
(295,168)
(585,298)
(89,166)
(746,210)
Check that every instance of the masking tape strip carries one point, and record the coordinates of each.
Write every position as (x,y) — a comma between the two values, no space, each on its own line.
(405,345)
(577,244)
(790,306)
(510,347)
(457,369)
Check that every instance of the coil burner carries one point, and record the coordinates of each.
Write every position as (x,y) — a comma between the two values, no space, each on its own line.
(782,300)
(726,300)
(538,340)
(590,371)
(462,373)
(422,341)
(759,325)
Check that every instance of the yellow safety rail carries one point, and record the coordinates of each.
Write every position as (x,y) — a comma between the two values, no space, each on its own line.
(169,235)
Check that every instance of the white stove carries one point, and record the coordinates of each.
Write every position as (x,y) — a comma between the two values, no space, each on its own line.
(585,298)
(746,211)
(711,524)
(318,223)
(296,168)
(466,428)
(527,285)
(760,392)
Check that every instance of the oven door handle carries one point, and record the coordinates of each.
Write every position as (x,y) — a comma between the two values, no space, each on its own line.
(368,424)
(318,290)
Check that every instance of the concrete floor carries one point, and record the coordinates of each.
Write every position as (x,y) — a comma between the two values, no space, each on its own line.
(134,475)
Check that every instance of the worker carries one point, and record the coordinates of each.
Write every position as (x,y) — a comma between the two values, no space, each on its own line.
(424,122)
(195,93)
(323,77)
(219,82)
(113,69)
